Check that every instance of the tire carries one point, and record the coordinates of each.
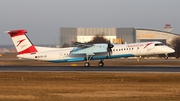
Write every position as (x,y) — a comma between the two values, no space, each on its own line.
(101,64)
(86,64)
(166,57)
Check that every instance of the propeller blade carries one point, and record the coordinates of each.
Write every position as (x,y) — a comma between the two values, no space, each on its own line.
(109,48)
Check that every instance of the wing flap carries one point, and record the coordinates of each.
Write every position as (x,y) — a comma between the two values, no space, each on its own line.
(82,45)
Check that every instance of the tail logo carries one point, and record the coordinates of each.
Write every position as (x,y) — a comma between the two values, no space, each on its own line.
(20,41)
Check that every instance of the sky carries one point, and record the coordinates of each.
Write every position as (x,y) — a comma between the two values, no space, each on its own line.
(43,18)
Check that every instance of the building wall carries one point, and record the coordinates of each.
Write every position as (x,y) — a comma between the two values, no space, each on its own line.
(86,34)
(67,35)
(126,34)
(95,31)
(115,35)
(152,35)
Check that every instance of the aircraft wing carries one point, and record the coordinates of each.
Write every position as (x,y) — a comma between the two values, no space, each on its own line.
(90,49)
(82,45)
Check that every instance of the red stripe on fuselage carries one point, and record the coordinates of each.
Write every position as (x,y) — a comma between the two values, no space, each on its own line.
(31,49)
(147,45)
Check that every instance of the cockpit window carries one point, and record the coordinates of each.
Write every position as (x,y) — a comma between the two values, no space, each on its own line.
(159,44)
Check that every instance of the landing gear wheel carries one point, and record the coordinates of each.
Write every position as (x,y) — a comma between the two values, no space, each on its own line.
(86,64)
(101,64)
(166,57)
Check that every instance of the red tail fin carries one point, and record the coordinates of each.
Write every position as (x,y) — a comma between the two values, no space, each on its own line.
(22,43)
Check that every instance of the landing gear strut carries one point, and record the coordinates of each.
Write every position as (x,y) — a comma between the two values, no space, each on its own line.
(87,64)
(166,56)
(101,63)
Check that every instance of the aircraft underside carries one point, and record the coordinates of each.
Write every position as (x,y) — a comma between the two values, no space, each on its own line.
(89,58)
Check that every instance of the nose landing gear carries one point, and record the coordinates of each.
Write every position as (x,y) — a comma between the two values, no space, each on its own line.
(166,56)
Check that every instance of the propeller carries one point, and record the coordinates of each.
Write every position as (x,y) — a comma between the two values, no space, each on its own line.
(109,48)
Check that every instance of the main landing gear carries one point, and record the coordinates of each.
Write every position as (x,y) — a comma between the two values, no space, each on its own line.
(87,64)
(101,63)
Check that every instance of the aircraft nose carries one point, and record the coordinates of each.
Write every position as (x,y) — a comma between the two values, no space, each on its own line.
(167,49)
(170,50)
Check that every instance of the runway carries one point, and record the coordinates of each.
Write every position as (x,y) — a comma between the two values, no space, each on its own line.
(90,69)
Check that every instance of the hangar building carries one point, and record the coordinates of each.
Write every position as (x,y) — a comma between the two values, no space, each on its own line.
(115,35)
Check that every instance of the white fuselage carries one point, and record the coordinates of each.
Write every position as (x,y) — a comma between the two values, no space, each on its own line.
(72,54)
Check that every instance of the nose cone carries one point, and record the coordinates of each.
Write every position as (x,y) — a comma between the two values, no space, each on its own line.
(172,50)
(169,50)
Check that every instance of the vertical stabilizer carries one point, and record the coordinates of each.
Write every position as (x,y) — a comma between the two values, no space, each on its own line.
(22,43)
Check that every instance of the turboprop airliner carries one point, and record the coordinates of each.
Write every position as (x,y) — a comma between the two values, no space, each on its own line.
(84,51)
